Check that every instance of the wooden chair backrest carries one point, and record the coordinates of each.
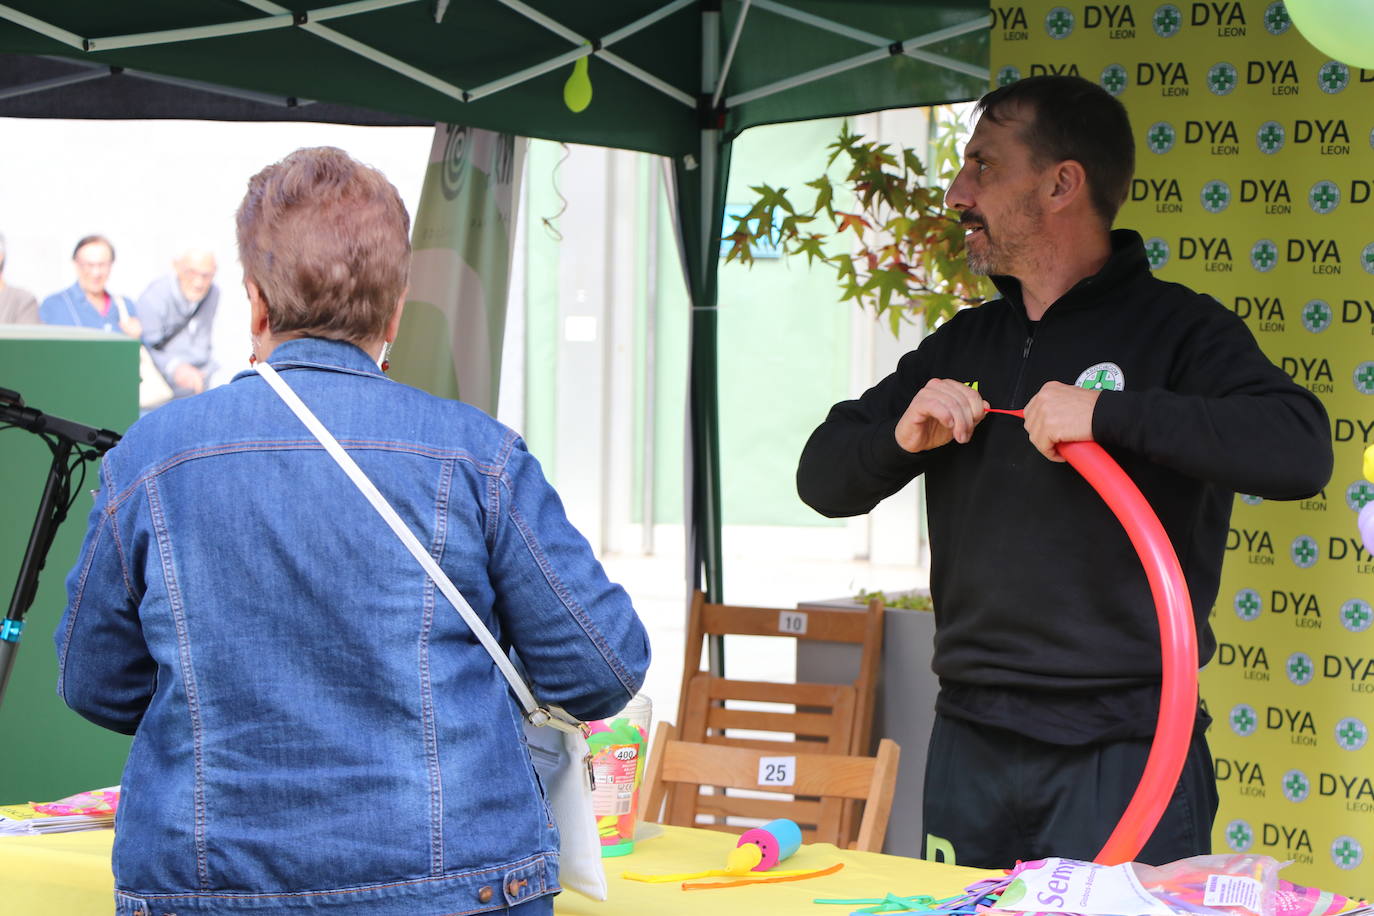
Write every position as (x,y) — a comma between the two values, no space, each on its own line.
(821,716)
(860,627)
(829,780)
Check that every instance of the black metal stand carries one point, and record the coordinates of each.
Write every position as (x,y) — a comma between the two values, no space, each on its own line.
(71,444)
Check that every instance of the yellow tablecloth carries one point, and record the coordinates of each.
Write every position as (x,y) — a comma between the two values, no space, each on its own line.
(680,849)
(69,875)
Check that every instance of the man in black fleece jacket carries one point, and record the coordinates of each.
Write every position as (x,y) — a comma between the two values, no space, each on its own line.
(1047,645)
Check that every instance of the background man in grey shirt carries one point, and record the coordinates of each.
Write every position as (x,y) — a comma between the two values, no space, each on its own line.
(178,312)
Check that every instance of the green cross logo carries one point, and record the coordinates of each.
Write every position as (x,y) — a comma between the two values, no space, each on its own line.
(1264,254)
(1160,136)
(1304,551)
(1364,378)
(1008,75)
(1114,79)
(1250,500)
(1356,615)
(1358,495)
(1346,852)
(1324,196)
(1316,316)
(1167,21)
(1222,78)
(1157,251)
(1239,836)
(1102,381)
(1333,77)
(1059,22)
(1248,604)
(1276,18)
(1216,196)
(1351,734)
(1243,720)
(1296,785)
(1270,137)
(1300,669)
(1367,258)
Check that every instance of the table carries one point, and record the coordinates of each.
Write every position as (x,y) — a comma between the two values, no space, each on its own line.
(69,875)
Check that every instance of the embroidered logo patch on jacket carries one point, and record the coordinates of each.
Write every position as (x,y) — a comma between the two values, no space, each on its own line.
(1102,377)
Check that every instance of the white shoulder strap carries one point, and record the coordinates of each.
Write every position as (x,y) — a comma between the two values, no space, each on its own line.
(533,712)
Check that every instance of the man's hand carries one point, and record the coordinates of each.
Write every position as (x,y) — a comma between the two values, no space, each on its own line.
(1060,413)
(131,326)
(943,410)
(188,376)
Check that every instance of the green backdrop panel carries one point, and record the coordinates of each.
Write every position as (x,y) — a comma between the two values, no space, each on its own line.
(46,750)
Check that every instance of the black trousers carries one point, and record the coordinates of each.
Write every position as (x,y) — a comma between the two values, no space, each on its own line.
(998,797)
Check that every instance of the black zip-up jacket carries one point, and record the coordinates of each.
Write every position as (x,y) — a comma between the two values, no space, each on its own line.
(1038,592)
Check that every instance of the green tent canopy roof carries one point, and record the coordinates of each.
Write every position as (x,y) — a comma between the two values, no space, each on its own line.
(496,64)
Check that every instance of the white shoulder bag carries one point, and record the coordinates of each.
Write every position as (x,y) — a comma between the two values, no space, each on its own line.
(557,740)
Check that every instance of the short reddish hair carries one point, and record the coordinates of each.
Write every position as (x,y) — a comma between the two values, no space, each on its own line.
(326,240)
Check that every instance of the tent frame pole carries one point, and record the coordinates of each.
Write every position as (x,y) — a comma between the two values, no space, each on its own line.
(910,48)
(57,82)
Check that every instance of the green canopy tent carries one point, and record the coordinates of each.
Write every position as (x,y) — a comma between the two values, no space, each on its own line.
(680,79)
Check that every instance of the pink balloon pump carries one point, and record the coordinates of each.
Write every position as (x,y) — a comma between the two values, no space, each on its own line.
(758,850)
(776,840)
(1177,637)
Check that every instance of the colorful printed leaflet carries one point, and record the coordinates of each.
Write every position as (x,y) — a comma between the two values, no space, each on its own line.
(84,811)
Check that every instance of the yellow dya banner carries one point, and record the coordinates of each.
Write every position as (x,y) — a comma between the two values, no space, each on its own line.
(1255,183)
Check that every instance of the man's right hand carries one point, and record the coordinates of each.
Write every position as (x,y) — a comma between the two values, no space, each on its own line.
(943,410)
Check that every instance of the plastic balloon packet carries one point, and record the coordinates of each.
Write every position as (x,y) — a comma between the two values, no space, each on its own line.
(93,803)
(1214,885)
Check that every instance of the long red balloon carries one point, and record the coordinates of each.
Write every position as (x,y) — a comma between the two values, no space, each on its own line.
(1178,644)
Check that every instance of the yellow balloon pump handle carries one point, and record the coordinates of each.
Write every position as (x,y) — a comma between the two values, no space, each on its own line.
(741,861)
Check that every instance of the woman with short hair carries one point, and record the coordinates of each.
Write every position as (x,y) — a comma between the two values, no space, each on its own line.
(315,728)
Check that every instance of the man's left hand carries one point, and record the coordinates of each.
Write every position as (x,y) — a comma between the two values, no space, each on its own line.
(1060,413)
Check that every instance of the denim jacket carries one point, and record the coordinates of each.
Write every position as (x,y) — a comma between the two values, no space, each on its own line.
(315,728)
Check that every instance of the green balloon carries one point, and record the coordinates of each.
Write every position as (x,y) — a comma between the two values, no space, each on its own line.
(1341,29)
(577,91)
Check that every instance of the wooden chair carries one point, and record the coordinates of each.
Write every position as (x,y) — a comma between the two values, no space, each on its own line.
(705,709)
(830,780)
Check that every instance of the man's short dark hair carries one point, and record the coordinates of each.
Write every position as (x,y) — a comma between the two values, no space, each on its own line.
(1068,117)
(91,240)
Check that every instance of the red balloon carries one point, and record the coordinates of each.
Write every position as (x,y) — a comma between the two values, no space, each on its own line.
(1178,644)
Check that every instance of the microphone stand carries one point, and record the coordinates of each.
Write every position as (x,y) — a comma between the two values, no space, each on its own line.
(71,445)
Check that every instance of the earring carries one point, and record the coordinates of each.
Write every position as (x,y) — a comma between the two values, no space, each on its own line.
(253,346)
(252,358)
(386,352)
